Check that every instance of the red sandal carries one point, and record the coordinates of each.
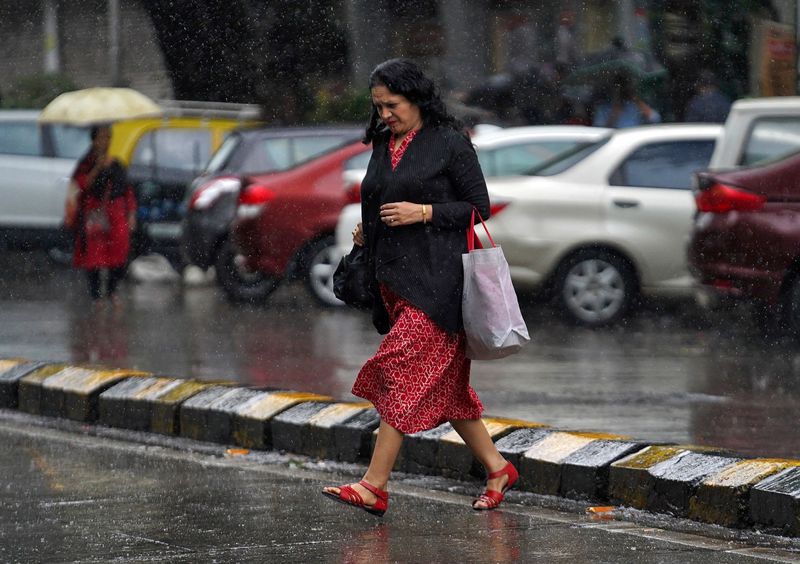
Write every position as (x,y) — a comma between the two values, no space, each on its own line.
(350,496)
(492,498)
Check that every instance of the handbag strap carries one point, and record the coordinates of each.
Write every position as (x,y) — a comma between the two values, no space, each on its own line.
(472,239)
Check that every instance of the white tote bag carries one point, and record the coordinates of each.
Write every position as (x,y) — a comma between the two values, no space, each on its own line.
(492,319)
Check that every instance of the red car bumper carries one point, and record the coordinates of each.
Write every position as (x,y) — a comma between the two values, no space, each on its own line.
(739,256)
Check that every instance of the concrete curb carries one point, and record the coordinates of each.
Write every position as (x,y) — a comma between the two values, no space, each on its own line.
(703,484)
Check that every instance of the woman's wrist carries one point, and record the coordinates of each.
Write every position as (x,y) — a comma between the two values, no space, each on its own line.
(427,213)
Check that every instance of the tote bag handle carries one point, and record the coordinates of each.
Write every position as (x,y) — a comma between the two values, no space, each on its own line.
(472,239)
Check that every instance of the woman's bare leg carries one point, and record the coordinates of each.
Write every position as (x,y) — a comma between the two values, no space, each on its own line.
(387,447)
(483,448)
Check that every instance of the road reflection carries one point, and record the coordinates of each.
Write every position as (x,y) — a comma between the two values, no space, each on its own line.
(99,336)
(669,373)
(761,384)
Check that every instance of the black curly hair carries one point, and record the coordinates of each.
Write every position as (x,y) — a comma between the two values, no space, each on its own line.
(402,76)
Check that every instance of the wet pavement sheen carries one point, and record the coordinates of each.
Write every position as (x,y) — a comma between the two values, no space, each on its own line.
(69,497)
(669,373)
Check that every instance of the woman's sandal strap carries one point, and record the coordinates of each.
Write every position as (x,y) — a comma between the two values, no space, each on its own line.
(490,498)
(350,495)
(505,470)
(380,494)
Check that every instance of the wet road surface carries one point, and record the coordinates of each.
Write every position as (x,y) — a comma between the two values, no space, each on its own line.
(68,496)
(670,373)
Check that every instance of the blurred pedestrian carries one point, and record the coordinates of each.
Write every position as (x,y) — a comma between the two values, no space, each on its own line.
(566,50)
(708,104)
(422,184)
(106,216)
(618,105)
(568,111)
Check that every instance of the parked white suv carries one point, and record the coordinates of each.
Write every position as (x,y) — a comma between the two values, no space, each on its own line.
(36,162)
(757,130)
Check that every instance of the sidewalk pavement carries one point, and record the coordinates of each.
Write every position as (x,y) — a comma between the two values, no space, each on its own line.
(705,485)
(73,492)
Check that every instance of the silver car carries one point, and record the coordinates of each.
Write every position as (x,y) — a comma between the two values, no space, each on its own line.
(36,162)
(607,221)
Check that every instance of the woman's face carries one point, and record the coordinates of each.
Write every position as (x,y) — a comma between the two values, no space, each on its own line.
(395,110)
(102,140)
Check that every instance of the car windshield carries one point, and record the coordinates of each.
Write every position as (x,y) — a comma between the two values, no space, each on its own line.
(220,158)
(771,139)
(566,160)
(273,154)
(358,162)
(70,142)
(517,157)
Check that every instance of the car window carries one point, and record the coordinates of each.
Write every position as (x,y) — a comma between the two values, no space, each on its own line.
(771,139)
(267,155)
(183,150)
(20,138)
(518,159)
(486,159)
(69,142)
(145,152)
(359,162)
(220,158)
(309,147)
(664,165)
(567,159)
(282,153)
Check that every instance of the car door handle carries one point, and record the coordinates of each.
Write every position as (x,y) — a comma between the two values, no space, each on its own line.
(626,204)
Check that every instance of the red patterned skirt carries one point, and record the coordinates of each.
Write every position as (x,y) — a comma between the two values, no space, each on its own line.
(419,377)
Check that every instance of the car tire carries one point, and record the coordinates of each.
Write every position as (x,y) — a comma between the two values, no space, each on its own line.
(60,252)
(239,284)
(321,259)
(60,256)
(595,287)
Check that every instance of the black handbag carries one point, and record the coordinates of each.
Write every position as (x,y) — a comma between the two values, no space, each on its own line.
(351,281)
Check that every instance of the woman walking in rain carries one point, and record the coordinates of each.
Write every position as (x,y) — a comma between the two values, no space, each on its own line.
(105,216)
(422,184)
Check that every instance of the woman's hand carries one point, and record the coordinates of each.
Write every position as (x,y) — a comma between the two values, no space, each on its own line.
(358,235)
(404,213)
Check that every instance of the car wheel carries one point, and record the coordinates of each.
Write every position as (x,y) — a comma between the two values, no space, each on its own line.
(322,258)
(239,283)
(595,287)
(60,256)
(61,252)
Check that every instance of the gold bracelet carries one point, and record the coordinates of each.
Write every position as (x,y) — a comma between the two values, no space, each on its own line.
(424,215)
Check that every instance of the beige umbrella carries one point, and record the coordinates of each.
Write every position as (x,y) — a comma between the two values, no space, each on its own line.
(99,105)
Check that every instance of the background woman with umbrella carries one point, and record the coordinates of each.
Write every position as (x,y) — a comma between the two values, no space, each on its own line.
(102,212)
(106,215)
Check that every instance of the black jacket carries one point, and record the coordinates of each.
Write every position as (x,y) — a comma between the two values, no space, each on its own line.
(422,263)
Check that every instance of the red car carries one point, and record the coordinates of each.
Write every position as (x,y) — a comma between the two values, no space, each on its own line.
(746,238)
(285,224)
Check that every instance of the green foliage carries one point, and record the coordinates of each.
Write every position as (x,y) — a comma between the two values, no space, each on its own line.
(335,105)
(36,91)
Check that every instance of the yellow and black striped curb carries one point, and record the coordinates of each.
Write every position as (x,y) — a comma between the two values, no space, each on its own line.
(704,484)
